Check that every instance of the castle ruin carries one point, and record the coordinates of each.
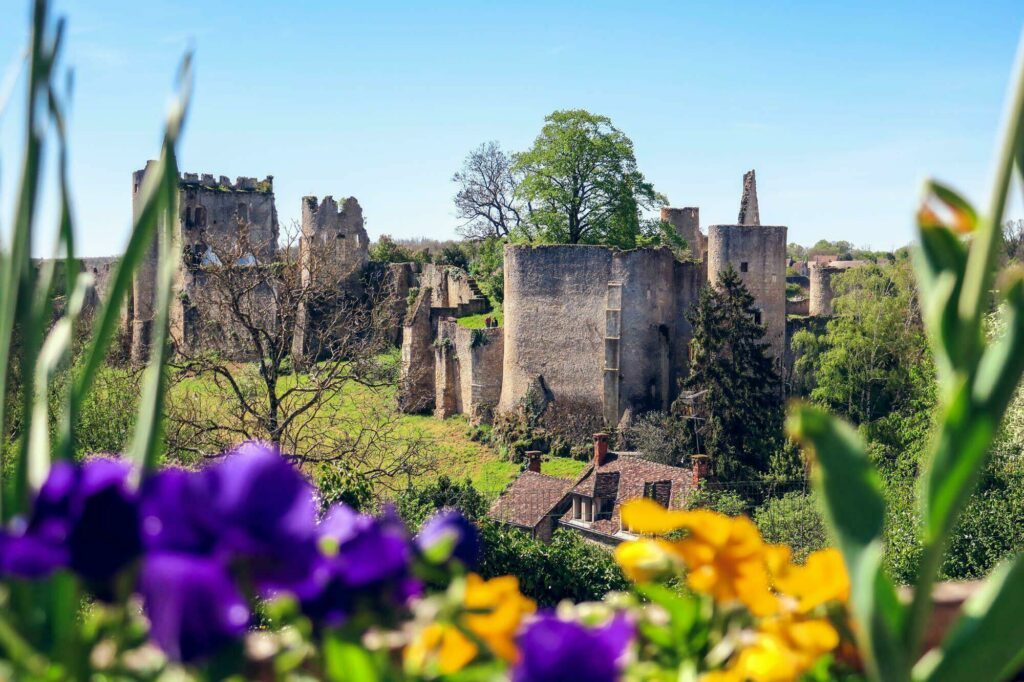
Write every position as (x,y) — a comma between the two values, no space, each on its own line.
(601,330)
(221,222)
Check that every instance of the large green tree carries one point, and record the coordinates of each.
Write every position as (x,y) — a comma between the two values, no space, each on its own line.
(581,181)
(737,381)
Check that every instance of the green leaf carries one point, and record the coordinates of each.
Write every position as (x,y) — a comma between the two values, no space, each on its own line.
(855,510)
(346,661)
(987,638)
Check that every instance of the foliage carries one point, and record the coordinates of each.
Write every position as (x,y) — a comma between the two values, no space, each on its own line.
(386,250)
(567,568)
(582,182)
(977,379)
(793,520)
(873,358)
(416,503)
(454,255)
(657,436)
(742,394)
(487,268)
(718,499)
(337,483)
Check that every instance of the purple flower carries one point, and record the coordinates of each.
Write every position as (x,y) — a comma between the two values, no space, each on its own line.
(556,650)
(252,509)
(193,606)
(449,534)
(84,518)
(366,567)
(176,512)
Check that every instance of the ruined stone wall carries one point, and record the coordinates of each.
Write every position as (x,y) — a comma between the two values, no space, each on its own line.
(821,289)
(416,384)
(758,254)
(468,372)
(797,306)
(604,329)
(453,288)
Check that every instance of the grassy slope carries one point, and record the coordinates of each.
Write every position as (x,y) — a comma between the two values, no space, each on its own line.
(457,453)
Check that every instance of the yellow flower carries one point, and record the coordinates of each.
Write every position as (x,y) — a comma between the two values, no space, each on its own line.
(442,643)
(726,558)
(783,649)
(646,559)
(821,579)
(644,515)
(495,609)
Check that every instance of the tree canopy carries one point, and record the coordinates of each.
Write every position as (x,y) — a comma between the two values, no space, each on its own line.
(581,181)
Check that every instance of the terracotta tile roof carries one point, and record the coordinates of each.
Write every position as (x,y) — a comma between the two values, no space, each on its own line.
(529,498)
(623,476)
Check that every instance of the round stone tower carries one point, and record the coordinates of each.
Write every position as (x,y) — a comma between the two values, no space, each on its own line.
(821,289)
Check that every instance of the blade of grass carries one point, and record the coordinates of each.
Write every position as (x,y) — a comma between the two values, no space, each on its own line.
(146,440)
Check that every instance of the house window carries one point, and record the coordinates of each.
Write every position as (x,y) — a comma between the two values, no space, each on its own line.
(577,507)
(743,266)
(659,491)
(605,506)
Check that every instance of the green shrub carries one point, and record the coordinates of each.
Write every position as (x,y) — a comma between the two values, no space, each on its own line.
(794,520)
(417,503)
(567,568)
(337,483)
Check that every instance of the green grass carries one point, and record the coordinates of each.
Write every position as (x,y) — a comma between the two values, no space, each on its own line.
(451,441)
(477,321)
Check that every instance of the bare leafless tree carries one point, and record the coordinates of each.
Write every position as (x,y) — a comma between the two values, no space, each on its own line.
(286,344)
(1013,239)
(486,200)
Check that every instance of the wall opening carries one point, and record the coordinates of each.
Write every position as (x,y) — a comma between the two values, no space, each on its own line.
(200,216)
(757,317)
(744,267)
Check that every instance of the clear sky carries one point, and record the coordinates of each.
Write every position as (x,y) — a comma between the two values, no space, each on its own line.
(842,107)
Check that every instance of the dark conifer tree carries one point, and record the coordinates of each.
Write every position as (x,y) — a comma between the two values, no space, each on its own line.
(741,390)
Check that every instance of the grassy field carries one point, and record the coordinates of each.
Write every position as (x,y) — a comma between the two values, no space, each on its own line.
(451,441)
(477,321)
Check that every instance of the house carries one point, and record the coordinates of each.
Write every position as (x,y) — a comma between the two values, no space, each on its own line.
(591,504)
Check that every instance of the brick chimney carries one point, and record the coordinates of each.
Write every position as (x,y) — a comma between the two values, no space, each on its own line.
(533,460)
(701,467)
(600,448)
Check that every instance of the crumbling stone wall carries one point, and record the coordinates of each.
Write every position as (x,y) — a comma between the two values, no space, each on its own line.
(416,383)
(758,254)
(468,371)
(821,289)
(604,329)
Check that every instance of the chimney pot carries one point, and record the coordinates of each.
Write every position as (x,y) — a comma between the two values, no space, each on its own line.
(600,448)
(533,460)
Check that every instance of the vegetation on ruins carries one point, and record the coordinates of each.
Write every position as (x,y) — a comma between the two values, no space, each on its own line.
(734,375)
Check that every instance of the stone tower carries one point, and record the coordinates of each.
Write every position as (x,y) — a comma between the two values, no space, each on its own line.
(219,222)
(686,222)
(758,254)
(821,289)
(333,248)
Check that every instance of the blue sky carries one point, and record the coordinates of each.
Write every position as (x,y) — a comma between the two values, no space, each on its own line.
(843,108)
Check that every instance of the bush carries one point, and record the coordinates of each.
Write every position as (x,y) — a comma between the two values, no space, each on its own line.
(487,268)
(386,250)
(567,568)
(657,436)
(728,502)
(337,483)
(416,504)
(794,520)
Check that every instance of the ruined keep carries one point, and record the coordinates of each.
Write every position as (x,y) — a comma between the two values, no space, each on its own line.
(333,248)
(597,330)
(212,213)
